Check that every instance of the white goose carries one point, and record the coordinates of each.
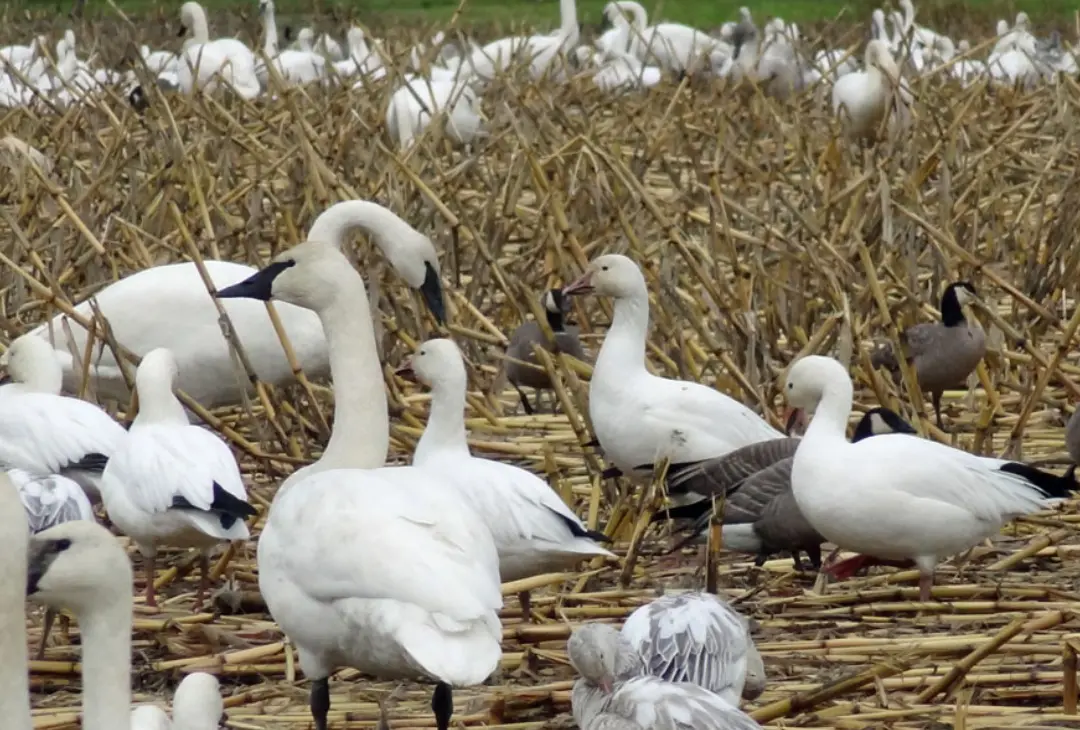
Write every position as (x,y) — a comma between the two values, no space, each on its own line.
(81,567)
(136,305)
(671,46)
(419,100)
(203,63)
(381,569)
(14,670)
(361,60)
(863,99)
(45,433)
(610,684)
(534,531)
(171,482)
(640,418)
(295,67)
(540,52)
(897,496)
(697,638)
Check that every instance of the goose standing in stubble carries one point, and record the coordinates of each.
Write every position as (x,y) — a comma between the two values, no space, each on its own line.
(522,369)
(943,354)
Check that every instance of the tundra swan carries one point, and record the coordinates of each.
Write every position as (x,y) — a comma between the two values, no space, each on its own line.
(295,67)
(203,62)
(419,100)
(539,51)
(861,100)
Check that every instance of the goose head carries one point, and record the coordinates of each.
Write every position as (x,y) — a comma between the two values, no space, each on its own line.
(157,372)
(880,57)
(28,357)
(612,275)
(879,421)
(435,362)
(1022,21)
(807,382)
(306,38)
(601,655)
(197,702)
(76,565)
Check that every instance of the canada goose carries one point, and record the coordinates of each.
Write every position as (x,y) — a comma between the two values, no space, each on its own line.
(943,353)
(521,366)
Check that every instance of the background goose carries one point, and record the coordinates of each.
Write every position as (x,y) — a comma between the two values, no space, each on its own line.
(697,638)
(294,66)
(45,433)
(419,101)
(171,482)
(598,653)
(943,353)
(14,671)
(540,52)
(863,99)
(203,63)
(520,364)
(640,418)
(534,531)
(897,496)
(383,569)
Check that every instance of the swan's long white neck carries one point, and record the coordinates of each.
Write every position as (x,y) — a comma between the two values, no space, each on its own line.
(340,219)
(200,31)
(829,424)
(641,18)
(624,345)
(106,663)
(445,429)
(270,43)
(14,684)
(568,30)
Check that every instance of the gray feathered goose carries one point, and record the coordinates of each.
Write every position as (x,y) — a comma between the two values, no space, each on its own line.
(943,353)
(761,516)
(520,350)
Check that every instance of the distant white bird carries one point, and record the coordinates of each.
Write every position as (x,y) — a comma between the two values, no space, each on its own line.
(670,46)
(295,67)
(325,45)
(172,482)
(862,100)
(534,531)
(539,52)
(362,60)
(418,101)
(45,433)
(204,64)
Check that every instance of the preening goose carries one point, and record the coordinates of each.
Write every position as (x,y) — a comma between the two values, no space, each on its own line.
(136,305)
(697,638)
(45,433)
(171,482)
(14,669)
(419,101)
(534,531)
(943,354)
(897,496)
(383,569)
(639,418)
(600,655)
(521,366)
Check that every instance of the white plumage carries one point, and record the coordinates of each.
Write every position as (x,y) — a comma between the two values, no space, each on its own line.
(172,482)
(534,531)
(50,500)
(418,100)
(640,418)
(697,638)
(898,496)
(203,63)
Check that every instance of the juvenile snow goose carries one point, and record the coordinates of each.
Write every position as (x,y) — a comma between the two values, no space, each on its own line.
(521,366)
(943,353)
(534,531)
(897,496)
(14,670)
(45,433)
(697,638)
(385,570)
(608,684)
(171,482)
(640,418)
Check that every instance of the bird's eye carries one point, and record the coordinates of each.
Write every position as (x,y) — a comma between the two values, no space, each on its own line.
(62,545)
(603,268)
(423,352)
(790,386)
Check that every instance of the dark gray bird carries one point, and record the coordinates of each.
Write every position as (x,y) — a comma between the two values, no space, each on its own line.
(761,515)
(943,353)
(522,369)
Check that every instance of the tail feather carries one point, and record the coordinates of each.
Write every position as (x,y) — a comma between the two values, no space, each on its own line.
(741,538)
(1049,484)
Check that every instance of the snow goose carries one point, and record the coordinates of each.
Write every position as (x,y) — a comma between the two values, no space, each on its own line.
(639,418)
(49,501)
(603,658)
(203,63)
(419,100)
(521,366)
(540,52)
(136,305)
(382,569)
(534,531)
(897,496)
(862,99)
(45,433)
(171,482)
(943,353)
(14,670)
(697,638)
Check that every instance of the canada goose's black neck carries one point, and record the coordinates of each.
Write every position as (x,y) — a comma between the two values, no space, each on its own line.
(555,321)
(952,314)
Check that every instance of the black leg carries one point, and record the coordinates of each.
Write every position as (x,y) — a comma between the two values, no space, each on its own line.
(46,627)
(814,553)
(760,559)
(442,704)
(936,398)
(796,557)
(320,702)
(524,401)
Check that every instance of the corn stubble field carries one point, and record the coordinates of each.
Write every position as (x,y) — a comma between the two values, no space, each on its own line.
(763,237)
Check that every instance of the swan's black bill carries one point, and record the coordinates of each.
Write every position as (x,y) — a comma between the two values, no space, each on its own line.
(432,292)
(259,285)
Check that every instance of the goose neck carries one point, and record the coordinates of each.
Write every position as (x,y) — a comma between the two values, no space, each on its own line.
(106,632)
(829,423)
(569,24)
(445,429)
(641,17)
(199,28)
(624,345)
(360,436)
(157,402)
(270,44)
(337,221)
(555,321)
(14,686)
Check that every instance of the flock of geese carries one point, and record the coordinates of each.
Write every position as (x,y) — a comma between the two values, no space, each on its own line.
(444,79)
(396,570)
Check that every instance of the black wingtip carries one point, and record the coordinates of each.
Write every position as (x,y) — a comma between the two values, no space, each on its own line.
(1050,484)
(579,530)
(611,472)
(94,463)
